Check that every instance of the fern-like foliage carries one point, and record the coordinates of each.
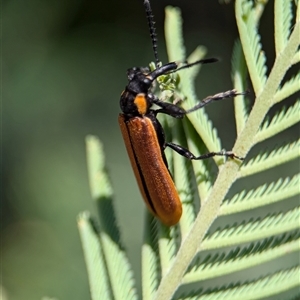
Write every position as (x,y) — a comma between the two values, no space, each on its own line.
(257,252)
(109,271)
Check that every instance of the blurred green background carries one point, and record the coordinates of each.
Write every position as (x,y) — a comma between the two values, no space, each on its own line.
(64,67)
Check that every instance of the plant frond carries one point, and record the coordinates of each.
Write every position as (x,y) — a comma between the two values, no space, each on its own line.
(265,161)
(201,169)
(282,22)
(239,72)
(173,34)
(118,268)
(182,179)
(253,230)
(259,7)
(197,54)
(168,244)
(263,195)
(273,284)
(280,122)
(94,259)
(199,119)
(190,244)
(167,252)
(243,258)
(100,186)
(204,127)
(289,88)
(150,258)
(296,58)
(264,99)
(250,38)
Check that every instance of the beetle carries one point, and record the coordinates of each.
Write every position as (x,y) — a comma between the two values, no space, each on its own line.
(144,136)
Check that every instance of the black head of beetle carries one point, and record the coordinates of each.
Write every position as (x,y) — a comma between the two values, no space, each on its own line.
(140,83)
(137,98)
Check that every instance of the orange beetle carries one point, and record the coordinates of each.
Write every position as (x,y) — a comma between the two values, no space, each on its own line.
(144,136)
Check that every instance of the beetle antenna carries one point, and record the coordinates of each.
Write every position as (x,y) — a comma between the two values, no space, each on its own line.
(153,35)
(201,61)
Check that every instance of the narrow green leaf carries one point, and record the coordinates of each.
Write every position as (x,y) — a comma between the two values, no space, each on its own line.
(240,259)
(206,131)
(119,269)
(265,161)
(282,23)
(280,122)
(150,259)
(263,195)
(289,88)
(250,39)
(95,262)
(239,72)
(197,54)
(99,183)
(296,58)
(173,34)
(198,119)
(274,284)
(259,9)
(200,167)
(168,246)
(182,179)
(298,11)
(253,230)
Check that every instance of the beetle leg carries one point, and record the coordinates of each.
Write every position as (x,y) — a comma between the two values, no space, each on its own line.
(168,108)
(216,97)
(186,153)
(178,112)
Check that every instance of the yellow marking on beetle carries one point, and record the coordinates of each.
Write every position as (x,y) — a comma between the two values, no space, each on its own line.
(141,103)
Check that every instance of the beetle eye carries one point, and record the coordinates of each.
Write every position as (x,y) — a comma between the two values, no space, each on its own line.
(131,72)
(147,81)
